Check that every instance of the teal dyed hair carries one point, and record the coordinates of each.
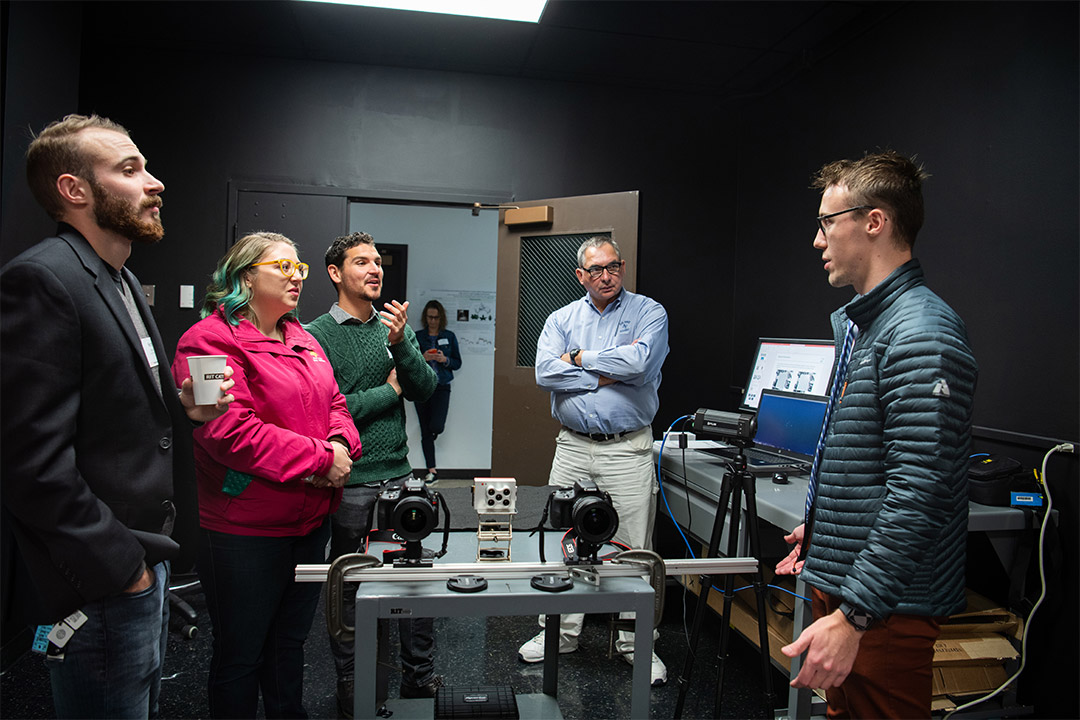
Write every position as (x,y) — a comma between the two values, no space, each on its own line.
(227,289)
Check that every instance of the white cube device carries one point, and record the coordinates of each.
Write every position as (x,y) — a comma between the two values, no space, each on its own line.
(495,496)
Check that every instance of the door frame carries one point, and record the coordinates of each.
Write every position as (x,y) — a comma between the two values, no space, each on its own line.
(523,432)
(405,195)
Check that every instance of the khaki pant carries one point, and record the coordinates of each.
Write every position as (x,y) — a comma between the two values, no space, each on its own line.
(624,469)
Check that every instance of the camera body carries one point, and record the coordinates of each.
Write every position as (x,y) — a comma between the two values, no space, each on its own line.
(736,428)
(585,508)
(411,510)
(495,496)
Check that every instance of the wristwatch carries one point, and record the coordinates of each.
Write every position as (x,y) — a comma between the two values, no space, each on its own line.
(859,619)
(573,355)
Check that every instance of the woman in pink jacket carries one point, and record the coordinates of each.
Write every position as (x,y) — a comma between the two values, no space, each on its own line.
(269,474)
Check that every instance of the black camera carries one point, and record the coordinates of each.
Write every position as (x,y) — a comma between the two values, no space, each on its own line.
(735,428)
(587,509)
(410,510)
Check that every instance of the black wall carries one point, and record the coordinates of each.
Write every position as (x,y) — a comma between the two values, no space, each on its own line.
(985,93)
(212,119)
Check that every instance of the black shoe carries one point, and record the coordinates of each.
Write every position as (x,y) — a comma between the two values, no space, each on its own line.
(345,698)
(423,691)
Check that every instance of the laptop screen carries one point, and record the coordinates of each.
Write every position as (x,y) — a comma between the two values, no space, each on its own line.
(798,366)
(790,422)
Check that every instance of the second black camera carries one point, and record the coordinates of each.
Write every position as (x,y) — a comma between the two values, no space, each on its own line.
(587,509)
(411,510)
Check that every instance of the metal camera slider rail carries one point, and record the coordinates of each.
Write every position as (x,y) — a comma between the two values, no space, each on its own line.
(377,572)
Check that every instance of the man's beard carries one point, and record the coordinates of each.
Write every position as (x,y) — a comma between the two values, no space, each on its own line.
(115,214)
(370,295)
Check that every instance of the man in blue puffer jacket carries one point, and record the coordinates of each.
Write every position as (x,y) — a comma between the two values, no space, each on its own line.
(884,543)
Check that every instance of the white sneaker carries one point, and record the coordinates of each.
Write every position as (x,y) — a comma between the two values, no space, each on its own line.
(658,671)
(533,651)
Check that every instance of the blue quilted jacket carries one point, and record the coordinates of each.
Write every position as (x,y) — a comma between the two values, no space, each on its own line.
(890,518)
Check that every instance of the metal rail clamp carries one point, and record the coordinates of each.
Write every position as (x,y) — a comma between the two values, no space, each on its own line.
(335,593)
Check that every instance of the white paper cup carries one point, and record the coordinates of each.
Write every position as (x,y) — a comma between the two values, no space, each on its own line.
(207,374)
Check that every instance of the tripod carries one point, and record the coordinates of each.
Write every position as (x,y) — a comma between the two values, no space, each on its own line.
(736,482)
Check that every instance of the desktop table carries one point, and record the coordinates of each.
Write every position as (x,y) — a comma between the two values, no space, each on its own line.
(692,490)
(431,598)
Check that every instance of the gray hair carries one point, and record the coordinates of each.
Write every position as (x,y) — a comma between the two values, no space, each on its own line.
(595,242)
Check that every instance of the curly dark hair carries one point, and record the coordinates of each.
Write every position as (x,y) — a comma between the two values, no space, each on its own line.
(335,254)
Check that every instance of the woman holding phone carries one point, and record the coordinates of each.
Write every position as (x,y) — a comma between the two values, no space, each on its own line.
(440,349)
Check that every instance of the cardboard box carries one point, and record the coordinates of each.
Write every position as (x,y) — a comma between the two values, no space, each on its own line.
(971,654)
(983,616)
(961,681)
(985,649)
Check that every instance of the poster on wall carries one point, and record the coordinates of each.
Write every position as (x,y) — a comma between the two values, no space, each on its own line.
(470,314)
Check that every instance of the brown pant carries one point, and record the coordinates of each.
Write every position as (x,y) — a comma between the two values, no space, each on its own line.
(892,675)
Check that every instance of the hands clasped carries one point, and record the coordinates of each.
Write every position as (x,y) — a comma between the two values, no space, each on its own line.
(339,471)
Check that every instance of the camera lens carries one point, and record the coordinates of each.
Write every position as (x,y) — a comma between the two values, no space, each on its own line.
(595,519)
(414,518)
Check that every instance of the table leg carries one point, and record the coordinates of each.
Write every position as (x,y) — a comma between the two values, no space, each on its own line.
(551,655)
(800,699)
(365,703)
(642,677)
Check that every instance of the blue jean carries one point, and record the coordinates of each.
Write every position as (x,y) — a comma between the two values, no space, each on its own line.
(350,526)
(260,617)
(432,416)
(112,664)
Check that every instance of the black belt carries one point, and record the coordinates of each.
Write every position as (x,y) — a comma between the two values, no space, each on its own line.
(601,437)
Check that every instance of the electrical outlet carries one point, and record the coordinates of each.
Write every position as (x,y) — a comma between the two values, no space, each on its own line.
(148,293)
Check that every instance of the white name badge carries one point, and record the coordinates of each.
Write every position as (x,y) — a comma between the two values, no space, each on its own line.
(148,350)
(444,341)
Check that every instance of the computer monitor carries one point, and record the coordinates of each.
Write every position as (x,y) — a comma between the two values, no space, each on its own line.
(799,366)
(790,423)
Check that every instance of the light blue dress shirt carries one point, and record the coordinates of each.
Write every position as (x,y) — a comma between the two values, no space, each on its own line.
(609,349)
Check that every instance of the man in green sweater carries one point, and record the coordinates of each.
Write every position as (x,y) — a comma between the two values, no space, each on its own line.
(378,365)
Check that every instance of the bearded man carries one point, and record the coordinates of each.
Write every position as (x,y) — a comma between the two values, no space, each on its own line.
(93,427)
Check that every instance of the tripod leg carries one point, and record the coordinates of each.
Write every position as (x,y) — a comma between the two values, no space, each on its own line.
(703,594)
(760,590)
(729,594)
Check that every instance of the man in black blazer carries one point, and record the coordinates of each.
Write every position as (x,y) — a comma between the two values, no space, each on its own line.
(93,427)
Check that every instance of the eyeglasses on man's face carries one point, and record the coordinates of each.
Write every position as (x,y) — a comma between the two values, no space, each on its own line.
(597,271)
(287,267)
(822,218)
(432,318)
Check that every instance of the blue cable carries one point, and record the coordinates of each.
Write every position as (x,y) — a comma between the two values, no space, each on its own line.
(689,548)
(659,459)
